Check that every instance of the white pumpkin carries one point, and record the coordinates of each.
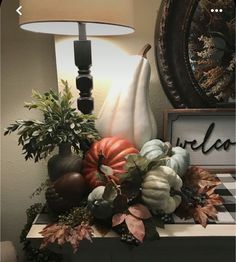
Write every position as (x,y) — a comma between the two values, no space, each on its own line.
(156,188)
(126,111)
(177,158)
(96,194)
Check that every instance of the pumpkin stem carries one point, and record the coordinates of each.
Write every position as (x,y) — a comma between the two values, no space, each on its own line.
(143,52)
(168,148)
(101,157)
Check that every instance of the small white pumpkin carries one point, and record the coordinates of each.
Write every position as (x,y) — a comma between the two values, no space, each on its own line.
(96,194)
(156,188)
(126,111)
(177,158)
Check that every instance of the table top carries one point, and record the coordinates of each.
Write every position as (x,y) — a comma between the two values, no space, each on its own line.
(176,230)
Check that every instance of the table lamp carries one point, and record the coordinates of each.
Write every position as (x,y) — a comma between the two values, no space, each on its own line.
(82,18)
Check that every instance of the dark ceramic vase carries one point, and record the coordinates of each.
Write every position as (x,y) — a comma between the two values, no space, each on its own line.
(64,162)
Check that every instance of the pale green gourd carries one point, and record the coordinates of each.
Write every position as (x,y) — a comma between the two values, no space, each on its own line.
(177,158)
(96,194)
(126,111)
(156,188)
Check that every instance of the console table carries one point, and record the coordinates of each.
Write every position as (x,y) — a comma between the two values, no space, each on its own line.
(181,241)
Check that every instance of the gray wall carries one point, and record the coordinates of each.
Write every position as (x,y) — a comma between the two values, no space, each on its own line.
(28,62)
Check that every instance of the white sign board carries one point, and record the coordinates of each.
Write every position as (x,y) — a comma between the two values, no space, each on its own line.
(207,134)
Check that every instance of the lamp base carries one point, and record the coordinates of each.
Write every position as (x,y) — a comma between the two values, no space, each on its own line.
(84,81)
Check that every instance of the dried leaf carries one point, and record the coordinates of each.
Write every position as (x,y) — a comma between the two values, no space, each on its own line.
(140,211)
(73,238)
(210,211)
(203,206)
(215,200)
(60,234)
(206,190)
(136,227)
(200,216)
(211,197)
(85,231)
(199,178)
(117,219)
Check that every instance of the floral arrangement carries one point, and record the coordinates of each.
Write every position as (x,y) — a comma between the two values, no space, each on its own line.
(136,200)
(114,185)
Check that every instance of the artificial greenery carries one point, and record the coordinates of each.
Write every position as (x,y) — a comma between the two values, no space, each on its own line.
(61,124)
(32,253)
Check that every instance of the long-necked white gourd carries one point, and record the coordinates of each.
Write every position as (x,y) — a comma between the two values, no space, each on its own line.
(126,111)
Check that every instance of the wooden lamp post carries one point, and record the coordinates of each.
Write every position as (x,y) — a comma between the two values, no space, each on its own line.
(82,18)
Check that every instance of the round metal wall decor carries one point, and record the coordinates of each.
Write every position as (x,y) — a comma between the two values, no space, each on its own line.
(195,52)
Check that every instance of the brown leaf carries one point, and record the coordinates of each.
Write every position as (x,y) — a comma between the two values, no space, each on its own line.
(63,233)
(208,190)
(136,227)
(140,211)
(199,178)
(200,216)
(51,228)
(85,231)
(51,234)
(117,219)
(60,235)
(74,239)
(210,211)
(215,200)
(212,198)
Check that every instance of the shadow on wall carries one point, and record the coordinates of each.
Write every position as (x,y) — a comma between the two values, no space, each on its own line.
(28,62)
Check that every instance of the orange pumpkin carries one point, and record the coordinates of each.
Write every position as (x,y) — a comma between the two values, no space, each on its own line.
(109,151)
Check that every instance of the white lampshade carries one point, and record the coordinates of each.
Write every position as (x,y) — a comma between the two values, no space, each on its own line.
(102,17)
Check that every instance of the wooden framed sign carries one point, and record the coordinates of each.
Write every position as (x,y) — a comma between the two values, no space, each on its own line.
(207,134)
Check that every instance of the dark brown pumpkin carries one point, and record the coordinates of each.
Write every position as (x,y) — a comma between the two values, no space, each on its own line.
(67,191)
(71,187)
